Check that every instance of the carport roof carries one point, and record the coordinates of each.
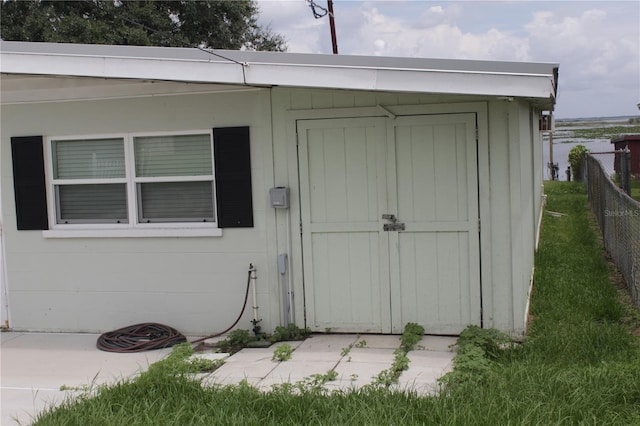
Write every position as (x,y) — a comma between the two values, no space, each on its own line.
(535,81)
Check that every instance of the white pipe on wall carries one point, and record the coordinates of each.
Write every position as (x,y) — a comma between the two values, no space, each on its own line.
(289,276)
(253,279)
(4,295)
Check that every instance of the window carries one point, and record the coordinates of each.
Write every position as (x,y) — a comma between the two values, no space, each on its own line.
(129,185)
(174,178)
(133,180)
(89,180)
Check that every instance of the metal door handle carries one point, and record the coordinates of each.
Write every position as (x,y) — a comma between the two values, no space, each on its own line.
(391,217)
(394,225)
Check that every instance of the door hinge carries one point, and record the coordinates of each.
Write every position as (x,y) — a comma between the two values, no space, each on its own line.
(477,134)
(478,225)
(300,228)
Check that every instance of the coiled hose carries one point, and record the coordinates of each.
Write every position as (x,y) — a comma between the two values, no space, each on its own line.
(150,335)
(140,337)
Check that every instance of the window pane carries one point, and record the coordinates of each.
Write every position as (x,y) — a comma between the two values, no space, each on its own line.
(175,201)
(180,155)
(88,159)
(92,203)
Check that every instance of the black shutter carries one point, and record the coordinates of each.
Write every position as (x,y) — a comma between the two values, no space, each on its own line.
(29,182)
(233,177)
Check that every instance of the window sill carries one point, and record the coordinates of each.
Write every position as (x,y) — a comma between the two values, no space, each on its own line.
(132,233)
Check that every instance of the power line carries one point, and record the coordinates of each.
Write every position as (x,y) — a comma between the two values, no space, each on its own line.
(315,7)
(171,36)
(322,13)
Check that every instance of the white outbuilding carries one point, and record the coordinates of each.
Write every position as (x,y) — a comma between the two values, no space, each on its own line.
(138,184)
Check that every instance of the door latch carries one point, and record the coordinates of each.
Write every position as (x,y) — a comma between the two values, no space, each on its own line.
(391,217)
(394,225)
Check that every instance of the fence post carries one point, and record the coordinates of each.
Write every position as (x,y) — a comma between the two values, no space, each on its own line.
(625,170)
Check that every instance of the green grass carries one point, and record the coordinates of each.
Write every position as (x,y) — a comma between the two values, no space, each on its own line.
(605,132)
(578,365)
(635,189)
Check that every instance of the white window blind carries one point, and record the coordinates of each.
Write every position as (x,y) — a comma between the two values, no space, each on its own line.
(175,201)
(88,159)
(179,155)
(104,203)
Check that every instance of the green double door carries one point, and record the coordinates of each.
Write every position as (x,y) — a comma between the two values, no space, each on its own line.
(390,231)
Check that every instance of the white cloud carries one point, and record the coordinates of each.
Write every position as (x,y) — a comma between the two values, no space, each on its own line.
(295,21)
(442,38)
(599,60)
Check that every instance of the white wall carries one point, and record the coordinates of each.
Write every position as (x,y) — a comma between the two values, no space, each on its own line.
(96,284)
(516,197)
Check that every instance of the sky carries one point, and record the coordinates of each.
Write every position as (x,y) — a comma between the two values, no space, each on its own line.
(596,43)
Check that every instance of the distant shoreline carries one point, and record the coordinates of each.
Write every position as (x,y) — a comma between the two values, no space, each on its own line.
(587,119)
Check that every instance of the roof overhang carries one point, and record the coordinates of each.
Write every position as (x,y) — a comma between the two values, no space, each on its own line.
(533,81)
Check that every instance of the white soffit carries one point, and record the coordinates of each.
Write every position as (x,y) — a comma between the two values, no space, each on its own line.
(514,79)
(21,88)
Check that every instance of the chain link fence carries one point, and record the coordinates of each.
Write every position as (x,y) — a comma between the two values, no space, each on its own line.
(618,216)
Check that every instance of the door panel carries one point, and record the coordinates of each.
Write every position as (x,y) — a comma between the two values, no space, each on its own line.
(436,279)
(342,189)
(346,276)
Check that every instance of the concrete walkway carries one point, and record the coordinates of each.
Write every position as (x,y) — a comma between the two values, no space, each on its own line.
(35,366)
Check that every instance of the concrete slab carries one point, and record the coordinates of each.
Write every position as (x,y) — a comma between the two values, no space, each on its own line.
(34,366)
(252,363)
(379,341)
(370,355)
(19,405)
(361,365)
(327,342)
(436,343)
(425,368)
(430,359)
(211,356)
(310,356)
(215,380)
(293,371)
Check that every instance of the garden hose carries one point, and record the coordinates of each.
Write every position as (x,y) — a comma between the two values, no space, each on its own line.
(149,336)
(244,305)
(140,337)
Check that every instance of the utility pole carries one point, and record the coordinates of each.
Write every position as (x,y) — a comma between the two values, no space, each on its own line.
(332,25)
(546,126)
(320,12)
(551,165)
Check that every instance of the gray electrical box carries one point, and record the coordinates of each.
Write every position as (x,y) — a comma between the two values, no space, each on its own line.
(279,197)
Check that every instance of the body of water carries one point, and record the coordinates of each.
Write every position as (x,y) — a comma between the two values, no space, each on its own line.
(561,154)
(563,142)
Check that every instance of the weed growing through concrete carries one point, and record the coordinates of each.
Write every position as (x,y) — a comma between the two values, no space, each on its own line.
(282,353)
(412,334)
(290,332)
